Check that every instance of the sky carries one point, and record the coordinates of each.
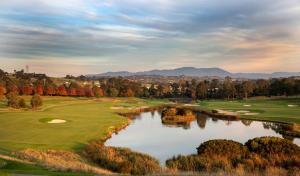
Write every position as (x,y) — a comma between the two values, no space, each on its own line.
(60,37)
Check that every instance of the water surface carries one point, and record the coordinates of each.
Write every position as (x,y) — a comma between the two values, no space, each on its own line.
(147,134)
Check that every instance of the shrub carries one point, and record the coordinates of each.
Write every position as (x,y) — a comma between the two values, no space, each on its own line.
(227,148)
(188,163)
(22,103)
(12,100)
(270,155)
(36,101)
(266,146)
(121,160)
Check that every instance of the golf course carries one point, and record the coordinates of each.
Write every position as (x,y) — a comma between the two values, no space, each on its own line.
(267,109)
(69,123)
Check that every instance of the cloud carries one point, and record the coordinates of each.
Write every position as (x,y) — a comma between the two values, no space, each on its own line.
(236,35)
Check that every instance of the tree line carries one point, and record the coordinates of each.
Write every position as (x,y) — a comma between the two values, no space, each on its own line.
(227,88)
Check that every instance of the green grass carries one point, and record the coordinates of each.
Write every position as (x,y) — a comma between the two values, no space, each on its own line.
(87,120)
(267,109)
(9,168)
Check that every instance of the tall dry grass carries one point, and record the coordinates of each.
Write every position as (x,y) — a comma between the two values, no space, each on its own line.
(60,161)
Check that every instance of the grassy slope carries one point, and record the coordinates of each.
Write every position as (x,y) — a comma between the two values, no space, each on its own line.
(268,109)
(87,120)
(8,168)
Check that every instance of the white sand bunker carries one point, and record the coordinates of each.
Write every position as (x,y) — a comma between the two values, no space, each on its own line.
(190,105)
(225,112)
(117,107)
(292,105)
(57,121)
(246,105)
(242,111)
(251,114)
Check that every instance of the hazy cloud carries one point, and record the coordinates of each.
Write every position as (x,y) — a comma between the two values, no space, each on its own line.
(237,35)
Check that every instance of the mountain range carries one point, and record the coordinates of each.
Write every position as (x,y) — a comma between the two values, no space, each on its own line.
(197,72)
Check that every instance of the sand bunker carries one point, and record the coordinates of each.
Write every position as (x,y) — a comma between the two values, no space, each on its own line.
(190,105)
(220,111)
(117,107)
(292,105)
(57,121)
(247,105)
(251,114)
(242,111)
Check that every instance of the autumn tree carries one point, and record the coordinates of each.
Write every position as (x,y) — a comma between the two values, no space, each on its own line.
(50,90)
(72,89)
(129,93)
(201,90)
(2,91)
(61,90)
(27,89)
(89,92)
(39,89)
(98,91)
(13,88)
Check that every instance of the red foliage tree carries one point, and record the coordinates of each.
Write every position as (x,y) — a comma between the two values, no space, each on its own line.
(129,93)
(98,91)
(2,90)
(50,90)
(72,92)
(89,92)
(62,91)
(27,89)
(14,89)
(80,92)
(39,89)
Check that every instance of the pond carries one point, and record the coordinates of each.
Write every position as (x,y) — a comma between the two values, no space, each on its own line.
(147,134)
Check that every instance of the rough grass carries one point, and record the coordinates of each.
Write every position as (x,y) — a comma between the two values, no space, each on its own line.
(10,168)
(60,161)
(270,109)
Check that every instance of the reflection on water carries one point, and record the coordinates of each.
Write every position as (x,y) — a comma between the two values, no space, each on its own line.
(148,134)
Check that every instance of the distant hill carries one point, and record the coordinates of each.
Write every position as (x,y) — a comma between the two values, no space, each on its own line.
(198,72)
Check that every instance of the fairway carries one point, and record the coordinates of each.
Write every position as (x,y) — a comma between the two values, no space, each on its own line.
(280,109)
(86,120)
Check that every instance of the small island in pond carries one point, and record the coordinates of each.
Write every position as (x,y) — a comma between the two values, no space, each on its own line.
(172,115)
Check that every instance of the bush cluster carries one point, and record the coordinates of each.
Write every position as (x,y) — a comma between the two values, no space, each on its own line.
(121,160)
(14,101)
(263,154)
(36,101)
